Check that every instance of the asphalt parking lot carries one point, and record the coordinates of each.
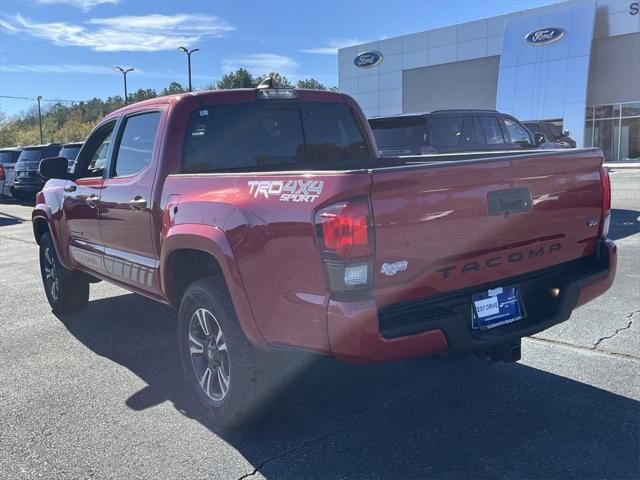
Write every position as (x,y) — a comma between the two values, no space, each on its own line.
(99,394)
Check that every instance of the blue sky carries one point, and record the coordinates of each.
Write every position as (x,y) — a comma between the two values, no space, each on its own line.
(66,49)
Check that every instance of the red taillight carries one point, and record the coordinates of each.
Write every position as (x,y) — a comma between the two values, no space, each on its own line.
(606,202)
(2,177)
(345,229)
(345,237)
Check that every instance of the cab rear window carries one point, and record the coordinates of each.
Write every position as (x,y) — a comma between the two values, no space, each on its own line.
(265,135)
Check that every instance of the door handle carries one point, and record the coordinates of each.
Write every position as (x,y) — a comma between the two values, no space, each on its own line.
(70,188)
(91,200)
(138,203)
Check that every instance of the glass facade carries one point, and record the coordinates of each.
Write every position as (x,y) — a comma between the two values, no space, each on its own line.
(615,129)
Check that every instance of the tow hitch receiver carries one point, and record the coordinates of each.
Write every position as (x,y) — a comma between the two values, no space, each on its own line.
(507,353)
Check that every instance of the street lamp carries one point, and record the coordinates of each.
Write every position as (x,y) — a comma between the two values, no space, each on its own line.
(39,97)
(124,73)
(188,52)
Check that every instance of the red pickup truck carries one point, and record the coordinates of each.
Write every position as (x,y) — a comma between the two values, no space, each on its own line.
(267,218)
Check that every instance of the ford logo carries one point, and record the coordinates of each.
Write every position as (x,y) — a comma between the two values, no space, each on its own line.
(367,59)
(545,36)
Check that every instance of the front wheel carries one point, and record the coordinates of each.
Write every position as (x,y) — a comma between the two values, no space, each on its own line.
(67,291)
(227,374)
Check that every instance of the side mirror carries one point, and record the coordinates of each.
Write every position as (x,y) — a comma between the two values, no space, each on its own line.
(566,133)
(54,167)
(540,138)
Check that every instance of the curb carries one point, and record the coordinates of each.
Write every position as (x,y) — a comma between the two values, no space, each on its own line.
(617,166)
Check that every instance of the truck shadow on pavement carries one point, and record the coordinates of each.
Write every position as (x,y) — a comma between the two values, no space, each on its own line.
(426,418)
(7,219)
(624,223)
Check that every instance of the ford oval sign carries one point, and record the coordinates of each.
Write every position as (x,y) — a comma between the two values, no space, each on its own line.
(367,59)
(544,36)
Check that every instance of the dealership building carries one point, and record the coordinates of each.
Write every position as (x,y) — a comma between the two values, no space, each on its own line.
(576,64)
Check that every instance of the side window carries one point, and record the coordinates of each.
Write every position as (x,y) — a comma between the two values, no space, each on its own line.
(517,132)
(490,130)
(136,142)
(449,131)
(93,156)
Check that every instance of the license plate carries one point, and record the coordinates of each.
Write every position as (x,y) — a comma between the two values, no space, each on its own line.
(495,307)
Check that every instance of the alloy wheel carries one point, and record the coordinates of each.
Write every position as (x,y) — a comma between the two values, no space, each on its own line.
(51,274)
(209,354)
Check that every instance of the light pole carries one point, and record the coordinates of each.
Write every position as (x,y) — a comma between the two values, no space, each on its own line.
(124,73)
(39,97)
(188,52)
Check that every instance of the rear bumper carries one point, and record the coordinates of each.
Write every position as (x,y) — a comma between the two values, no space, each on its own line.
(362,332)
(27,188)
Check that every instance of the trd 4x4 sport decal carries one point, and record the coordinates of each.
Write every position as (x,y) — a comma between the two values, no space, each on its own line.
(286,191)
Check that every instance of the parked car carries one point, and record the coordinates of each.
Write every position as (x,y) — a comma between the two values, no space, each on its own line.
(451,131)
(8,159)
(553,132)
(252,213)
(27,180)
(70,152)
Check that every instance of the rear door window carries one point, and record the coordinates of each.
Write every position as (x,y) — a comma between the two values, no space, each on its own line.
(450,131)
(490,131)
(264,135)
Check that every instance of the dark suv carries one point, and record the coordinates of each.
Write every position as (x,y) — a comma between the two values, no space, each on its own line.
(70,152)
(28,181)
(450,131)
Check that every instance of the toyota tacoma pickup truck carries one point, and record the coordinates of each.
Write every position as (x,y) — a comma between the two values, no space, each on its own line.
(267,218)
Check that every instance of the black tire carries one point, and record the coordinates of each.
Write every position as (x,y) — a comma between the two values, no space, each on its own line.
(67,290)
(245,368)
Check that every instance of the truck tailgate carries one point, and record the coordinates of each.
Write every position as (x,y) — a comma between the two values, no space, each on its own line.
(446,226)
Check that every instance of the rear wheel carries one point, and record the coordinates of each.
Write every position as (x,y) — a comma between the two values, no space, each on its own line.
(67,291)
(227,374)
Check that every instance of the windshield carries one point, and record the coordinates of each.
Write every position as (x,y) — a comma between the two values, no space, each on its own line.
(70,153)
(33,155)
(399,132)
(9,157)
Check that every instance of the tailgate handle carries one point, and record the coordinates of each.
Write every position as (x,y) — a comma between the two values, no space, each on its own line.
(513,200)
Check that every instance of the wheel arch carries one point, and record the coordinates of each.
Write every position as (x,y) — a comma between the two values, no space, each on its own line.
(190,252)
(42,222)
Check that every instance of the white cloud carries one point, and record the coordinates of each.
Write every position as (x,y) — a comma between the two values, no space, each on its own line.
(332,46)
(84,5)
(63,69)
(147,33)
(261,63)
(76,69)
(57,68)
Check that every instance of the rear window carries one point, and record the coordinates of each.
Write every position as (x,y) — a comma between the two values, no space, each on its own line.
(33,155)
(70,153)
(264,135)
(399,132)
(9,157)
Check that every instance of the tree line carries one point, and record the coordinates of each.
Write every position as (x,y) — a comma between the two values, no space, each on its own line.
(63,123)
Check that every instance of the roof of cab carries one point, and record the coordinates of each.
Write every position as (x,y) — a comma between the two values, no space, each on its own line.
(210,96)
